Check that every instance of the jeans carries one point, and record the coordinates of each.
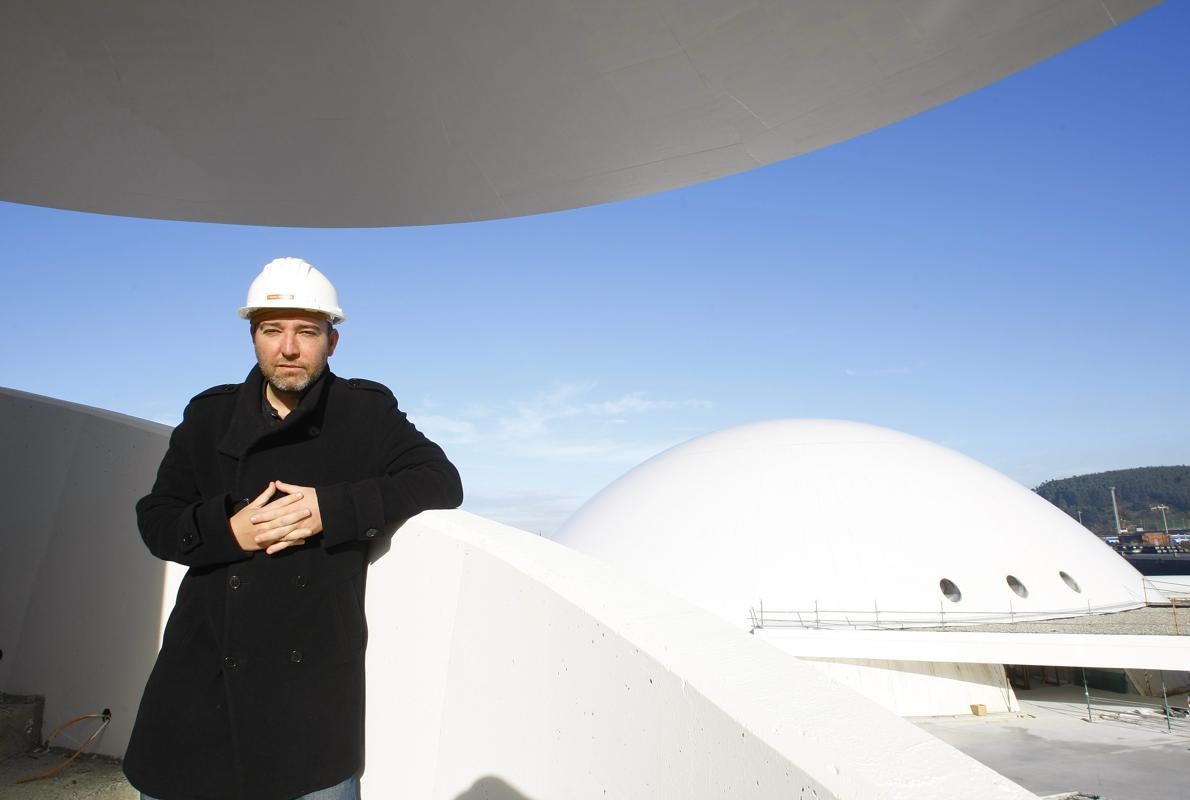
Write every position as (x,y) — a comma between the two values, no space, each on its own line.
(347,790)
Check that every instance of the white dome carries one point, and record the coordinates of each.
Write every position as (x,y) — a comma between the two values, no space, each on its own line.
(851,519)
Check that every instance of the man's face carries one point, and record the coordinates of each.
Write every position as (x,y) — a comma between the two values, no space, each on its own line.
(292,347)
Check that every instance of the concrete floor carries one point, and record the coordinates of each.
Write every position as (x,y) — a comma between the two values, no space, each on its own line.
(88,778)
(1050,747)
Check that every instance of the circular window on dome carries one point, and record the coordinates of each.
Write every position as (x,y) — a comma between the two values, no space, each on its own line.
(1069,581)
(949,590)
(1018,587)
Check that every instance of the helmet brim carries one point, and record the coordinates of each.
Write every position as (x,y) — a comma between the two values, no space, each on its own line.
(336,316)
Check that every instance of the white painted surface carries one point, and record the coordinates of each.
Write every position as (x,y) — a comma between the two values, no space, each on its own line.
(923,688)
(502,665)
(845,523)
(81,599)
(1051,649)
(408,113)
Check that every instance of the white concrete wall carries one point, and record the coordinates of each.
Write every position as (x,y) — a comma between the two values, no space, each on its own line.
(923,688)
(502,665)
(80,596)
(1138,651)
(930,673)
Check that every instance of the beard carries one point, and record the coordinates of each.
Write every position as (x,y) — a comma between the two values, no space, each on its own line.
(295,384)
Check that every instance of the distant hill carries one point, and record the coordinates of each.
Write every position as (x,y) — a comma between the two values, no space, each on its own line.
(1137,490)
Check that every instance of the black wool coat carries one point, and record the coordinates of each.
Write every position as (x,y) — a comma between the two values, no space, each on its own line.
(258,691)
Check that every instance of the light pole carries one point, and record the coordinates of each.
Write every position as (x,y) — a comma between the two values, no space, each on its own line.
(1162,508)
(1115,509)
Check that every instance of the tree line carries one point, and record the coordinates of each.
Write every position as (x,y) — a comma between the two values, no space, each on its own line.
(1137,491)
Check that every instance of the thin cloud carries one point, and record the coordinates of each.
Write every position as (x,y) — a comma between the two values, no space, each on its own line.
(609,452)
(638,403)
(529,428)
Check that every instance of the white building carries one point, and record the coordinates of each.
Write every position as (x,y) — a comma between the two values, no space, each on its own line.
(828,538)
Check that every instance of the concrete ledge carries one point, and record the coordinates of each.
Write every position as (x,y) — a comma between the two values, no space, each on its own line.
(1051,649)
(20,723)
(498,656)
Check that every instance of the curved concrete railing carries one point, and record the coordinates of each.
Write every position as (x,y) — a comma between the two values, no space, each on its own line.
(503,665)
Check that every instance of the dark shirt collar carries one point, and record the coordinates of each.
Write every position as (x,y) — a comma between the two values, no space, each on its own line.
(271,415)
(249,423)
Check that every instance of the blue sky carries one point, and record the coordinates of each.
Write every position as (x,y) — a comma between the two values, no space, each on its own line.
(1007,275)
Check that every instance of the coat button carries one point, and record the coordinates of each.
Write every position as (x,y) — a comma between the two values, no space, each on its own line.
(295,656)
(187,539)
(313,430)
(371,533)
(300,581)
(229,662)
(234,581)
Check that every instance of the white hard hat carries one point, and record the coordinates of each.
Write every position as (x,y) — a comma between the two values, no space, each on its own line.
(292,283)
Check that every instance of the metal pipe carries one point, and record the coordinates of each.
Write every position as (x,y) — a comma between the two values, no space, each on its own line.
(1165,702)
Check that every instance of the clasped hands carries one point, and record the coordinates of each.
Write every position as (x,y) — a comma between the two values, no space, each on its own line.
(286,522)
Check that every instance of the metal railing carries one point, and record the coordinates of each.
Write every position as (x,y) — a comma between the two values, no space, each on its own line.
(1163,715)
(876,618)
(1169,590)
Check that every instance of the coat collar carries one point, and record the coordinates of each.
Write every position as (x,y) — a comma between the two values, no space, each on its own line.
(247,425)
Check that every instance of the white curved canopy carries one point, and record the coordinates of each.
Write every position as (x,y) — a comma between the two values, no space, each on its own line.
(363,113)
(857,522)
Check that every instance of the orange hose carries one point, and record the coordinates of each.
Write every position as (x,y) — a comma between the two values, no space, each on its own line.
(106,716)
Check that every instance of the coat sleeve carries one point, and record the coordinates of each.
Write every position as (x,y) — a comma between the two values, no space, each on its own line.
(176,522)
(413,475)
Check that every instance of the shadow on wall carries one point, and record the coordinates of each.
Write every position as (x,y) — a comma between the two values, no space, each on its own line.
(490,787)
(80,596)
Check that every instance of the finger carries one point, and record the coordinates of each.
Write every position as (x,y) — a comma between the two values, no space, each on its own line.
(282,527)
(289,487)
(279,546)
(293,517)
(290,534)
(275,509)
(297,534)
(276,534)
(264,496)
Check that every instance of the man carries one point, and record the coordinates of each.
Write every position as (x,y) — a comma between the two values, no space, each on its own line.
(271,492)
